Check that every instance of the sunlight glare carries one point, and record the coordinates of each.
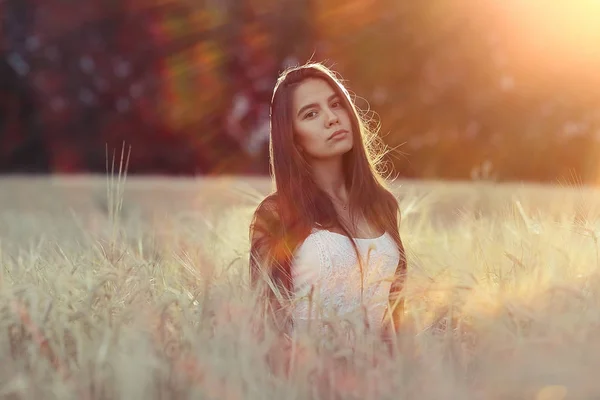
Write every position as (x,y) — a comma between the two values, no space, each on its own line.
(561,35)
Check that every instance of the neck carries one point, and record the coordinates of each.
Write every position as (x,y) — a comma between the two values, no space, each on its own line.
(329,176)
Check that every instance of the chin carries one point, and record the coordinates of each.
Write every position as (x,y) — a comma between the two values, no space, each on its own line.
(348,147)
(343,150)
(339,150)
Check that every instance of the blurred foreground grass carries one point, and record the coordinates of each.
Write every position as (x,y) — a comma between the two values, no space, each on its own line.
(152,302)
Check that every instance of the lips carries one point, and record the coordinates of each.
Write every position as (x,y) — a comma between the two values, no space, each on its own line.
(337,133)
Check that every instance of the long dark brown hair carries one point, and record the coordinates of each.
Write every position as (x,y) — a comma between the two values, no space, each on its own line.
(286,217)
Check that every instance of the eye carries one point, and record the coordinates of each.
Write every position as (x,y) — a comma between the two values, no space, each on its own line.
(310,114)
(336,104)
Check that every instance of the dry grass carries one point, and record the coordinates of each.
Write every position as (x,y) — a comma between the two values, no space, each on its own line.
(151,301)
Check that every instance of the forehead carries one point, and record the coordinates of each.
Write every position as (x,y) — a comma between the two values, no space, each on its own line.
(310,91)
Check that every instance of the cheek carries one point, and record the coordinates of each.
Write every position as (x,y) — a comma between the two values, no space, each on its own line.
(345,115)
(307,135)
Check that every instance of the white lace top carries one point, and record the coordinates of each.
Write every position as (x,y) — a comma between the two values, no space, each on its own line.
(326,263)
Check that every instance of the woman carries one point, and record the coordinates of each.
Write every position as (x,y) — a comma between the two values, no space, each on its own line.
(326,243)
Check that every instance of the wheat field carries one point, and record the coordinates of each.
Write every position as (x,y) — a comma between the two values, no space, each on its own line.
(138,288)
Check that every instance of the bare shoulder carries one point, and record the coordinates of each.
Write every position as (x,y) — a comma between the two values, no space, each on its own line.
(268,207)
(266,216)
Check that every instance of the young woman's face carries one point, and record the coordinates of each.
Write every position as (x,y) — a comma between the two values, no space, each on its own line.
(322,124)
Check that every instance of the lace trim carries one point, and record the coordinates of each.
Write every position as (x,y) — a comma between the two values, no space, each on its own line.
(337,286)
(324,257)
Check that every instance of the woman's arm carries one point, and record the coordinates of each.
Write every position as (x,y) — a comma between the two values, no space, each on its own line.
(269,265)
(393,320)
(396,299)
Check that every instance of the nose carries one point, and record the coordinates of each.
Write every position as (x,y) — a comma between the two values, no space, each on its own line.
(332,117)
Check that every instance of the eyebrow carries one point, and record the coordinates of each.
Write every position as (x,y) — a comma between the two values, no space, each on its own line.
(333,96)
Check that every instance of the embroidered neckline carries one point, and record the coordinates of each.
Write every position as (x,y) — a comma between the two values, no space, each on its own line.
(354,238)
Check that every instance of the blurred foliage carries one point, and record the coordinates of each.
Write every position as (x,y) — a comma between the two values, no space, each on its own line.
(188,83)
